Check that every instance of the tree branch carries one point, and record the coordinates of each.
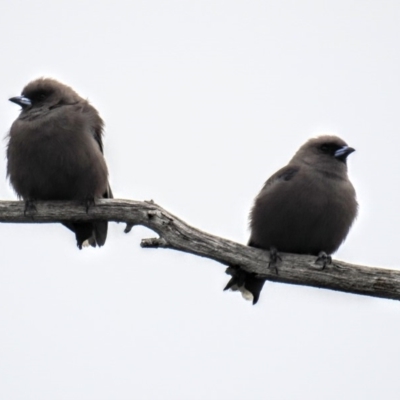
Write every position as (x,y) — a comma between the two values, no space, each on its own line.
(177,235)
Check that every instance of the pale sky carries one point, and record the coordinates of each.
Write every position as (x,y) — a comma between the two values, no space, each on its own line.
(203,101)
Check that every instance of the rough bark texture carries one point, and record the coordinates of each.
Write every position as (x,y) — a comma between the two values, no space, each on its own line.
(177,235)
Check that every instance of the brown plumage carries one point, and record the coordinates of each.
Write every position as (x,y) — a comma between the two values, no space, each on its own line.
(306,207)
(55,152)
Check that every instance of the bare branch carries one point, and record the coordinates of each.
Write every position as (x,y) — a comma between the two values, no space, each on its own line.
(176,234)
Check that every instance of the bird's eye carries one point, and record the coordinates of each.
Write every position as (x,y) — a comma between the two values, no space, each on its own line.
(42,96)
(324,148)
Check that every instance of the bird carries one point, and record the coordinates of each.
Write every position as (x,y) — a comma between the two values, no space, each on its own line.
(307,207)
(55,152)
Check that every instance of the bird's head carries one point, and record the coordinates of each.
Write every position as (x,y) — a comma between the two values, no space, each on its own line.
(328,152)
(45,93)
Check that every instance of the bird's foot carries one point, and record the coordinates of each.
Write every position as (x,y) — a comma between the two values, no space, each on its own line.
(30,208)
(274,258)
(323,259)
(89,203)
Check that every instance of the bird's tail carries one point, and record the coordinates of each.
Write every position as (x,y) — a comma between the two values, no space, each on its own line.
(100,228)
(245,282)
(88,233)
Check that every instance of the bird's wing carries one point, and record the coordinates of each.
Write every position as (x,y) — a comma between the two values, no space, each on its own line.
(284,174)
(108,194)
(97,133)
(96,124)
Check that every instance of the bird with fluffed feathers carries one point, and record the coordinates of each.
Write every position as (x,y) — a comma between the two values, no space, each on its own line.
(55,152)
(307,207)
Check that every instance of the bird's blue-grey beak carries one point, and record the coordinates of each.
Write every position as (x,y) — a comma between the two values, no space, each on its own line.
(21,101)
(343,152)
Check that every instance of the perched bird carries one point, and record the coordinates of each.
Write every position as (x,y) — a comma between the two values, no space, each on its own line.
(306,207)
(55,152)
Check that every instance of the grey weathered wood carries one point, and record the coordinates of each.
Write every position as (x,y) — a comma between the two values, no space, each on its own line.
(176,234)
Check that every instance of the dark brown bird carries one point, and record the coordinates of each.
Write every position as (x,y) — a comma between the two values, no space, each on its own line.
(55,152)
(306,207)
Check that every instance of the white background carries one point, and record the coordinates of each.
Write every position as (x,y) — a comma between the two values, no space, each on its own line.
(203,101)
